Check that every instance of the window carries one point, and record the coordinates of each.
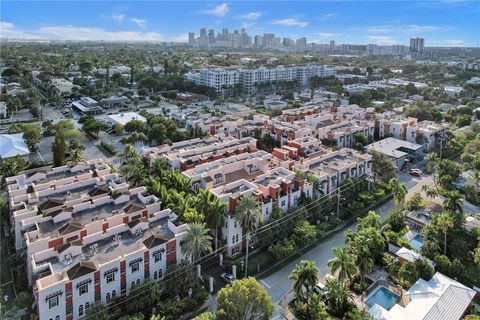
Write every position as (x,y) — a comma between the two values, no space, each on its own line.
(114,294)
(107,297)
(283,203)
(52,302)
(57,318)
(132,285)
(158,257)
(138,282)
(83,289)
(135,267)
(160,273)
(122,270)
(235,223)
(233,238)
(87,305)
(155,275)
(237,237)
(110,277)
(80,310)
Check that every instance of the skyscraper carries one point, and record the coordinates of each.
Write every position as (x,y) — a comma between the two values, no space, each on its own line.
(417,45)
(332,46)
(191,38)
(211,36)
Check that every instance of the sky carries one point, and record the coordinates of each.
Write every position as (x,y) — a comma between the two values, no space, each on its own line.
(440,22)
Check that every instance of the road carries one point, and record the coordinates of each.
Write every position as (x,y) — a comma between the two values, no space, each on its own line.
(277,283)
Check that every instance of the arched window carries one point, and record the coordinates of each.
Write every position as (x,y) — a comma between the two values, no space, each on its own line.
(87,305)
(80,310)
(108,297)
(133,284)
(155,275)
(57,318)
(114,294)
(138,282)
(160,273)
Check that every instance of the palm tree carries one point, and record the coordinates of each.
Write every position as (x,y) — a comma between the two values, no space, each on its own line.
(364,262)
(431,192)
(445,223)
(249,216)
(399,191)
(343,263)
(370,220)
(196,241)
(131,155)
(453,202)
(215,217)
(158,168)
(77,155)
(432,161)
(305,277)
(338,296)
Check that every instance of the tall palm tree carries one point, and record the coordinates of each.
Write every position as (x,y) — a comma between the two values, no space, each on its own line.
(370,220)
(249,216)
(431,192)
(197,241)
(445,223)
(158,168)
(453,202)
(215,217)
(363,261)
(131,155)
(338,296)
(399,191)
(343,263)
(305,277)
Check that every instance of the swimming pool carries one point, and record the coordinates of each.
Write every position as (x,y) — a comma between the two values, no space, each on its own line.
(417,242)
(383,297)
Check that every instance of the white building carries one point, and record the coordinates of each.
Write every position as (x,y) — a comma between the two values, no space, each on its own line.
(12,145)
(124,117)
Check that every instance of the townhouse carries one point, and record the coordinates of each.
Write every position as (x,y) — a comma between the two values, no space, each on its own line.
(186,154)
(88,237)
(343,133)
(427,133)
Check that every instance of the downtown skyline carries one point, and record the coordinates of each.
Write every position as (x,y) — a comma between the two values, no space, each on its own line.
(448,22)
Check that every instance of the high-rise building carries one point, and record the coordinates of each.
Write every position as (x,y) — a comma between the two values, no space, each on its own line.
(225,34)
(211,36)
(332,46)
(417,45)
(191,38)
(268,39)
(301,43)
(258,41)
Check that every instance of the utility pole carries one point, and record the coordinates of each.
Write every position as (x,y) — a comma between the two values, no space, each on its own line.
(338,201)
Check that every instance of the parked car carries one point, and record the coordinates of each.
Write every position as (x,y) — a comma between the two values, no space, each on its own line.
(319,288)
(416,172)
(227,277)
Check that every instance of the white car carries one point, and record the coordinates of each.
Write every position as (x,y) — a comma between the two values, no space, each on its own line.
(227,277)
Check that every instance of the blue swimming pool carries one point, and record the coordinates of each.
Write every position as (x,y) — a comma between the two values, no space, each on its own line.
(417,242)
(383,297)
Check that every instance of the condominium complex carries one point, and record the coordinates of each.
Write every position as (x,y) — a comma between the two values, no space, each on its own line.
(224,80)
(88,236)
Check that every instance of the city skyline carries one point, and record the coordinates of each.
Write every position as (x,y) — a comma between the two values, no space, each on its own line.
(448,23)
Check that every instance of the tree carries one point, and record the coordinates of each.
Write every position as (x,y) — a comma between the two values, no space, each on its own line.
(396,220)
(338,297)
(97,311)
(408,273)
(249,216)
(453,202)
(244,299)
(424,269)
(363,261)
(370,220)
(343,263)
(196,241)
(215,217)
(445,223)
(206,316)
(94,126)
(148,293)
(134,125)
(305,277)
(305,233)
(31,134)
(12,166)
(382,167)
(59,147)
(399,191)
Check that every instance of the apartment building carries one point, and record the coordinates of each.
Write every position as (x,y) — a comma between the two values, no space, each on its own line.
(332,168)
(277,187)
(187,154)
(283,131)
(223,80)
(427,133)
(88,236)
(343,133)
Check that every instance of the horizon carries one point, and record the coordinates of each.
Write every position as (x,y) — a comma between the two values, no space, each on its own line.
(449,23)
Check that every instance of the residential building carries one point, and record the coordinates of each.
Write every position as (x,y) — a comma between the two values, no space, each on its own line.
(399,151)
(438,298)
(417,45)
(88,237)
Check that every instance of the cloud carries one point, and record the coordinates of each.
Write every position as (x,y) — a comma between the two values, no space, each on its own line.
(180,38)
(455,43)
(118,17)
(247,25)
(328,16)
(218,11)
(142,23)
(251,15)
(327,34)
(382,40)
(402,28)
(9,31)
(291,22)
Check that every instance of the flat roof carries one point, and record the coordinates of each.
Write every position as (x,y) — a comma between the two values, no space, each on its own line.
(124,117)
(12,145)
(390,146)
